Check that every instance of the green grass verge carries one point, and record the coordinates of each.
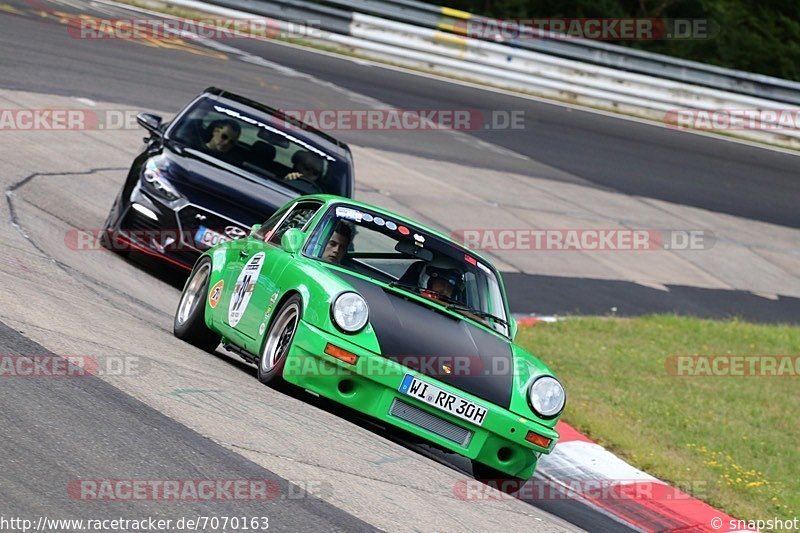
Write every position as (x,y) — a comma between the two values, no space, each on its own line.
(731,441)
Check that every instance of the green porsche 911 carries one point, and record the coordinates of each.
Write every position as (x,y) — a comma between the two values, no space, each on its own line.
(381,314)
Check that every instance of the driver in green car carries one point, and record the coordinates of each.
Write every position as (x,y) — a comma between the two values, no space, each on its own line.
(338,243)
(442,282)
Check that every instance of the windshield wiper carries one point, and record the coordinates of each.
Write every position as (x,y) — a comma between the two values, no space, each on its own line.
(449,306)
(476,312)
(405,285)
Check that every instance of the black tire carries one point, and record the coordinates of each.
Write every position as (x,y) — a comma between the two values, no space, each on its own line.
(278,341)
(497,479)
(189,324)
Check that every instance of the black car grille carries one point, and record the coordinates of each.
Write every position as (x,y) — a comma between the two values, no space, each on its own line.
(192,218)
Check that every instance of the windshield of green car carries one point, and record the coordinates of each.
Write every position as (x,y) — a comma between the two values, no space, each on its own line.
(410,259)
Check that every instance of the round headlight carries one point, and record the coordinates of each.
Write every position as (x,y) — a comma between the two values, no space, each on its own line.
(547,397)
(350,312)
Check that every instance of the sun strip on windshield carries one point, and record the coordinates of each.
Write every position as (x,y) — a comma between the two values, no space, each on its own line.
(249,120)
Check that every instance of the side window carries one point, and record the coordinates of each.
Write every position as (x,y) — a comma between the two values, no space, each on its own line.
(270,224)
(300,215)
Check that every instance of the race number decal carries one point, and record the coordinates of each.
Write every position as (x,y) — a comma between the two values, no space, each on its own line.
(243,290)
(215,293)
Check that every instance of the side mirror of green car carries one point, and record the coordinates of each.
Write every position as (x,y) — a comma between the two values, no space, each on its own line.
(292,240)
(513,327)
(254,229)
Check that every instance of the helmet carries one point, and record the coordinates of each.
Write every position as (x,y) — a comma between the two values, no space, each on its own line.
(453,276)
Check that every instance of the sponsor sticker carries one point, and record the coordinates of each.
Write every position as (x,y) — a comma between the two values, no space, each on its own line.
(215,293)
(245,284)
(349,213)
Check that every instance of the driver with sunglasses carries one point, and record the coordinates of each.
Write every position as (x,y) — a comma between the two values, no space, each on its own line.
(222,144)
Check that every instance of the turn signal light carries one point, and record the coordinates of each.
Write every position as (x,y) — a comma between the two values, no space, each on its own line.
(535,438)
(341,354)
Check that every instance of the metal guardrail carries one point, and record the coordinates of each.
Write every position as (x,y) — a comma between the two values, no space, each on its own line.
(498,64)
(330,19)
(588,51)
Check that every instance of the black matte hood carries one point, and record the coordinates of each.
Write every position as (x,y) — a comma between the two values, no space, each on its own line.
(422,338)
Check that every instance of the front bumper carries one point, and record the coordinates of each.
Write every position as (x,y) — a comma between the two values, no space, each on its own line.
(149,226)
(371,387)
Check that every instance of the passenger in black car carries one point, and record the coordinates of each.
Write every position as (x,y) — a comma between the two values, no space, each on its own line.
(307,166)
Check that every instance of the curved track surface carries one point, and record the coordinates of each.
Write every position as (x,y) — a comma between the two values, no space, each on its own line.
(567,168)
(177,413)
(185,414)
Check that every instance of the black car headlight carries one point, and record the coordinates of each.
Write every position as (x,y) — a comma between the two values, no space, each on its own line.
(350,312)
(547,397)
(155,182)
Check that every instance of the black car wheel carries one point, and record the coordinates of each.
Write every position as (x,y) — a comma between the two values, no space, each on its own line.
(278,341)
(189,324)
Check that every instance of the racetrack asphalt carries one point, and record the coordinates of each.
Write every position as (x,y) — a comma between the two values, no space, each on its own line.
(96,303)
(627,164)
(93,303)
(62,431)
(568,144)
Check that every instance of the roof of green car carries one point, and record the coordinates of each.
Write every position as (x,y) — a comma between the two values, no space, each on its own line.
(331,199)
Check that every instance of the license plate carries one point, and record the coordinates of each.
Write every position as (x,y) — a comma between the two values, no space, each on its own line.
(208,237)
(443,400)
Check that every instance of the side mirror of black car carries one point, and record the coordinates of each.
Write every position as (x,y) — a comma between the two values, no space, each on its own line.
(150,122)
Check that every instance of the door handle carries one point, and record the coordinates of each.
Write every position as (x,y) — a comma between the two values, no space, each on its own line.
(243,253)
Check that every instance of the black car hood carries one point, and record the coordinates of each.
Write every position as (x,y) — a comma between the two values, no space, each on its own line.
(422,338)
(250,201)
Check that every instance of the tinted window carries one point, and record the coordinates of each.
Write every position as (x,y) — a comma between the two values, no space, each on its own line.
(263,145)
(300,215)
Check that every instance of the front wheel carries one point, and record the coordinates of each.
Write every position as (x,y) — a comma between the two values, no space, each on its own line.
(190,324)
(278,341)
(497,479)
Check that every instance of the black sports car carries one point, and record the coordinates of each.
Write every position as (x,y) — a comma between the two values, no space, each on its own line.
(223,164)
